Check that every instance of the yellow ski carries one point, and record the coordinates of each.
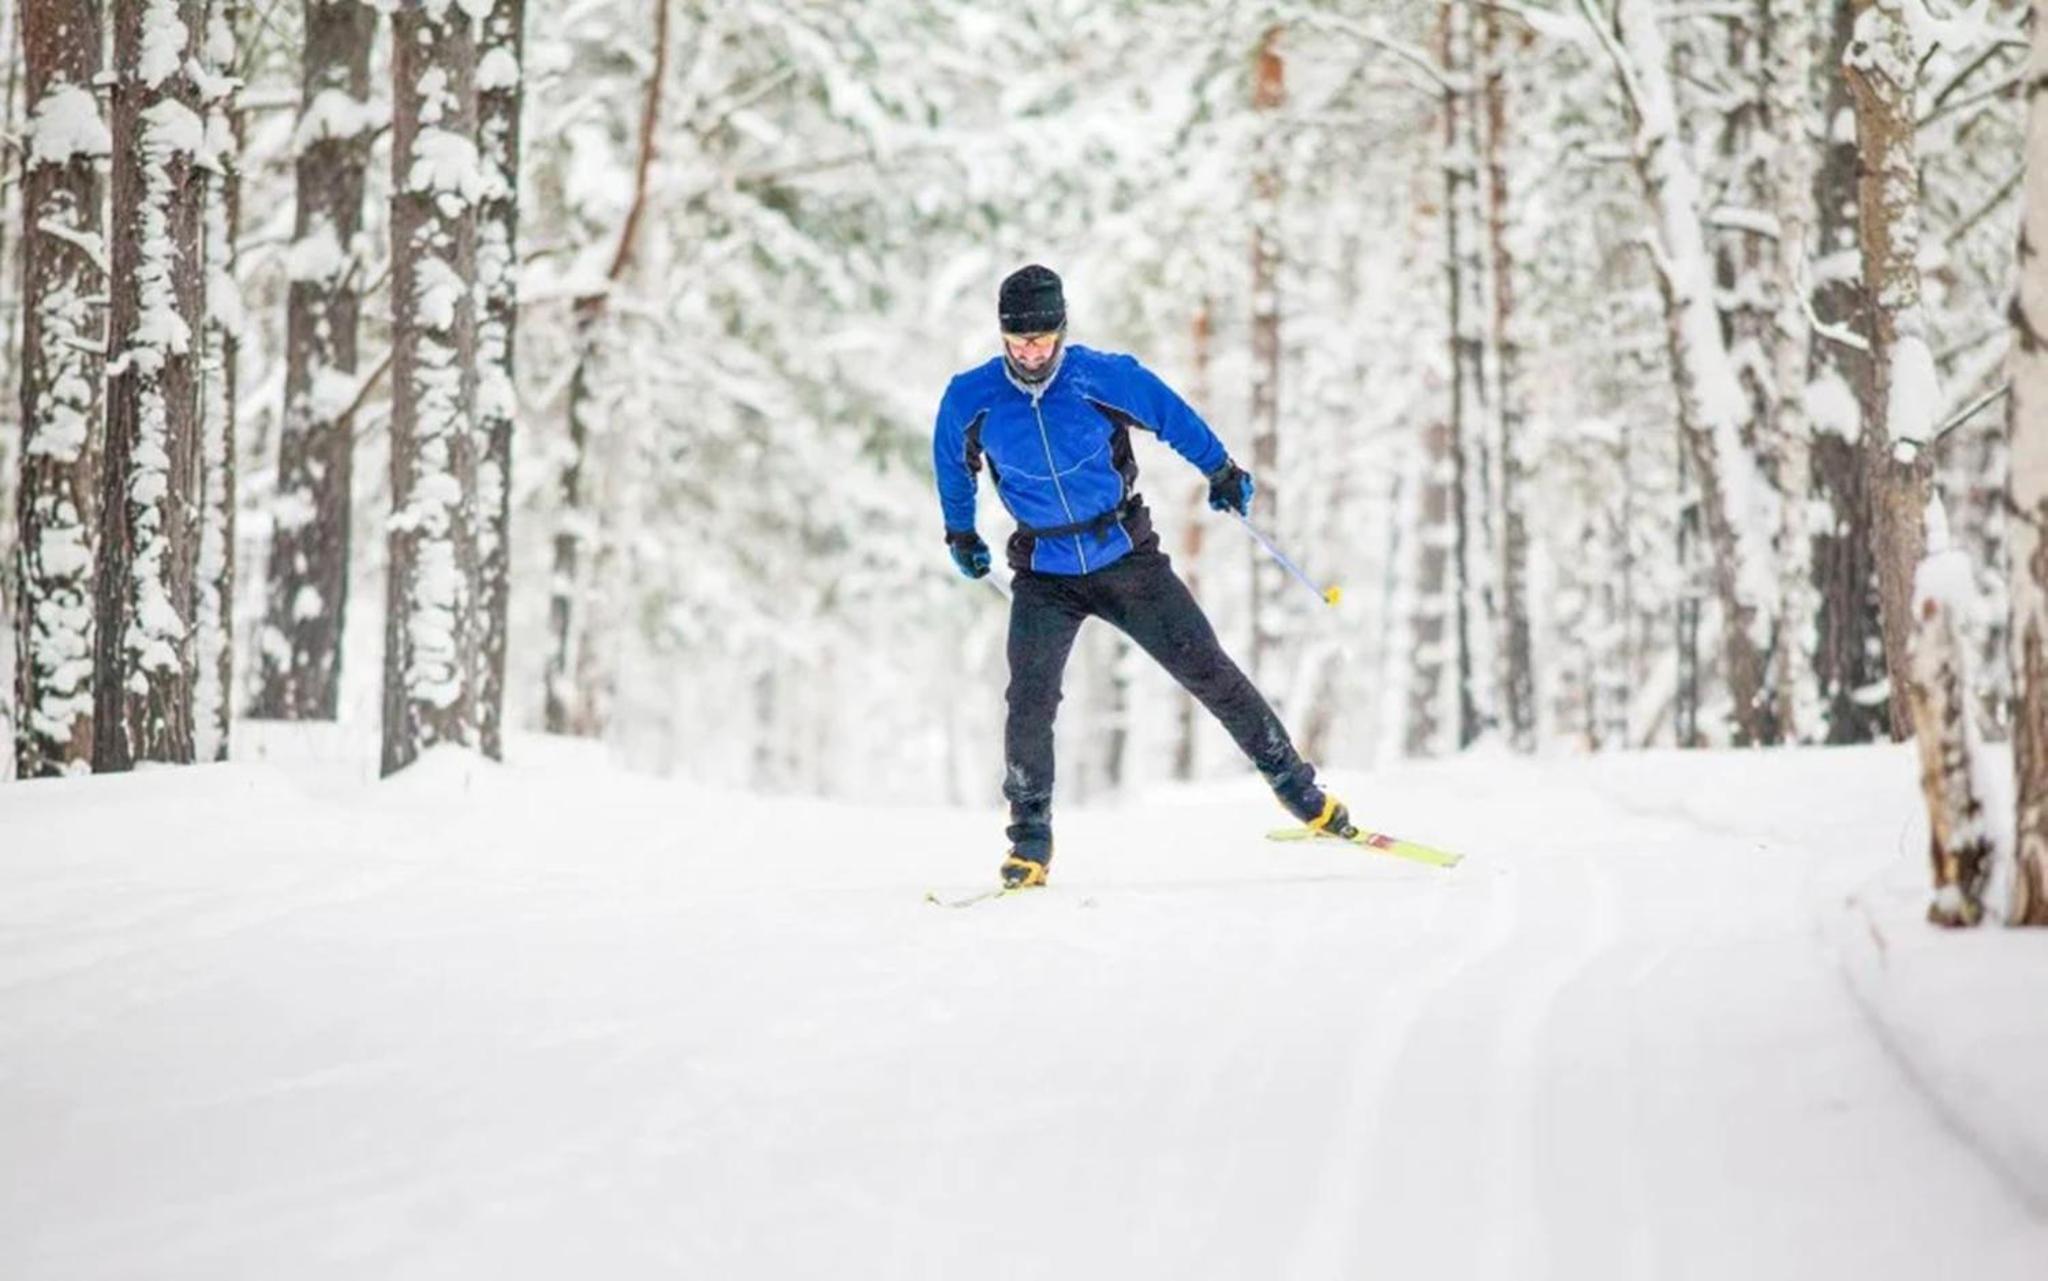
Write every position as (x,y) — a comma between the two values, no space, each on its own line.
(1379,841)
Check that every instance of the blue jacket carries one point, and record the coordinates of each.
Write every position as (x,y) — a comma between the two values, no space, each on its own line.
(1061,460)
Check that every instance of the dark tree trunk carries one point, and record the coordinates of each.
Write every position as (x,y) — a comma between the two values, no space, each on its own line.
(307,599)
(499,93)
(61,373)
(1518,675)
(1850,653)
(430,634)
(1895,467)
(573,701)
(148,535)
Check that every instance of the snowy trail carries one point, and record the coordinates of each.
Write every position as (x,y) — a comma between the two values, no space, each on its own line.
(605,1027)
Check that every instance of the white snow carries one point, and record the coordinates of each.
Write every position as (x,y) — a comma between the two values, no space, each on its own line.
(547,1020)
(67,125)
(445,162)
(1916,403)
(497,69)
(333,115)
(164,39)
(1831,406)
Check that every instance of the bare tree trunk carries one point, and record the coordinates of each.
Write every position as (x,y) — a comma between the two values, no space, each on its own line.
(430,631)
(307,598)
(214,586)
(1464,291)
(1883,73)
(1518,674)
(1269,95)
(499,94)
(570,704)
(1430,634)
(61,370)
(148,545)
(2028,481)
(1788,78)
(1711,402)
(1850,657)
(573,694)
(1187,722)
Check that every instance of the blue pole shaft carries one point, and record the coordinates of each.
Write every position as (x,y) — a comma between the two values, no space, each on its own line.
(1274,551)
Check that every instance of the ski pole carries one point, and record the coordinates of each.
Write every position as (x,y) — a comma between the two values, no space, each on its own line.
(1000,590)
(1328,597)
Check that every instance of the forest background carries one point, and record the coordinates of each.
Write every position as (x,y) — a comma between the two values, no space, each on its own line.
(445,367)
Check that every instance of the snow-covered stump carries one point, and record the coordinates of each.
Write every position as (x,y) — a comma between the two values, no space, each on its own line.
(2028,485)
(1959,834)
(499,93)
(1882,67)
(214,585)
(62,365)
(430,634)
(299,650)
(144,651)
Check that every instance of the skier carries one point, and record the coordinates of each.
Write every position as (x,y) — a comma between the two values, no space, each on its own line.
(1053,423)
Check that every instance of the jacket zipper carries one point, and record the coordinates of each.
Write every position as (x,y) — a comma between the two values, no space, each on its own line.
(1058,488)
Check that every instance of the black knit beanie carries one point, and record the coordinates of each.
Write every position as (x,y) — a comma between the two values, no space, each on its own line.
(1031,301)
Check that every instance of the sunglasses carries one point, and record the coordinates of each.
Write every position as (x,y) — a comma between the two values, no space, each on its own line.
(1045,339)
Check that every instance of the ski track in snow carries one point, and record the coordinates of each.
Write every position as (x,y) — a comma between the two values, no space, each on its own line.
(512,1025)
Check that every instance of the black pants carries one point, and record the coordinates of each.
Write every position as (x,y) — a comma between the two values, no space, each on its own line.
(1142,597)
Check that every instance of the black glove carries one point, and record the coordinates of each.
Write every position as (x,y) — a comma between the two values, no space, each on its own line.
(969,552)
(1231,489)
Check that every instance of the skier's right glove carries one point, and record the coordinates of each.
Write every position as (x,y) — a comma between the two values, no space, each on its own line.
(1231,489)
(969,552)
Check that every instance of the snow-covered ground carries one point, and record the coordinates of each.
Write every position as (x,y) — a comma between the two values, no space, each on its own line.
(1675,1016)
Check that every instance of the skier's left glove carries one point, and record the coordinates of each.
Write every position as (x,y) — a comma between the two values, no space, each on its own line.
(1231,489)
(969,552)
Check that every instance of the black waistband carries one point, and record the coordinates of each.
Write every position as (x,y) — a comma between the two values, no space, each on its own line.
(1092,526)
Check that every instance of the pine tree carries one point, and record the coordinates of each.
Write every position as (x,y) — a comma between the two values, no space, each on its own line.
(573,701)
(1508,394)
(1882,68)
(299,652)
(145,649)
(64,268)
(1711,402)
(220,344)
(500,93)
(430,667)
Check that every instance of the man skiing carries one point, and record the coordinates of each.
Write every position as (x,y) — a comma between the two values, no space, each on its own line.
(1053,422)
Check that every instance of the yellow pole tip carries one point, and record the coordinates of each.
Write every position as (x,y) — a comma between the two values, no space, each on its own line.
(1334,595)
